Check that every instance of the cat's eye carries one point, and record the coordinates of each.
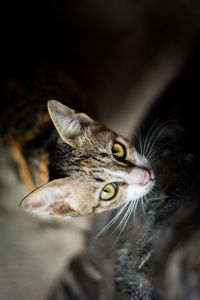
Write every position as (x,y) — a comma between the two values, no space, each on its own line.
(109,192)
(119,151)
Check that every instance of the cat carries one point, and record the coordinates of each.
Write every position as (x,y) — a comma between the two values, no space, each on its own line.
(92,169)
(84,167)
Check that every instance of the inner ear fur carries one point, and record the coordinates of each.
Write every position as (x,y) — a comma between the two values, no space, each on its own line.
(53,198)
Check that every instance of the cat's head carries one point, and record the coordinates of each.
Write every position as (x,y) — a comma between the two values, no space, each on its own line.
(93,169)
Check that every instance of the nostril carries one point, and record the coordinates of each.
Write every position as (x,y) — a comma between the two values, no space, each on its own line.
(148,176)
(147,173)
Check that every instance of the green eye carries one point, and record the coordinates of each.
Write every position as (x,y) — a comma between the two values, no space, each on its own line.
(119,151)
(108,192)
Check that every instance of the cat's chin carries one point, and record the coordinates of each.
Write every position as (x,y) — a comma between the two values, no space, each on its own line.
(135,191)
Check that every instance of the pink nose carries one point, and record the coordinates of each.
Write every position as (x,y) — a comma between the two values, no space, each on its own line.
(146,178)
(140,176)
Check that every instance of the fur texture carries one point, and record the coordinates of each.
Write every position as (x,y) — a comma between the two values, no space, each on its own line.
(76,163)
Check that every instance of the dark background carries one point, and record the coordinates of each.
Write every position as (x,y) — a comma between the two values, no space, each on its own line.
(119,52)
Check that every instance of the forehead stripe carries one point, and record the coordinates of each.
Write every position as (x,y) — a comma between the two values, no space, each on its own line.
(99,179)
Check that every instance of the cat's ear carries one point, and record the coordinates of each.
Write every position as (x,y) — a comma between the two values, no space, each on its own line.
(67,121)
(53,198)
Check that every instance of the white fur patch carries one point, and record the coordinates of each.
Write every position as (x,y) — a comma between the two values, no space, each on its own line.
(140,181)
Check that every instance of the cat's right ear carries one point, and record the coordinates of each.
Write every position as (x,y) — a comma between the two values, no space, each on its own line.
(69,123)
(56,198)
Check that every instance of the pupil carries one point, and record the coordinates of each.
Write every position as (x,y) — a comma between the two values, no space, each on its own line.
(116,151)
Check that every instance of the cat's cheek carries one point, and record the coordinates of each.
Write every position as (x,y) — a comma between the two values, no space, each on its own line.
(140,160)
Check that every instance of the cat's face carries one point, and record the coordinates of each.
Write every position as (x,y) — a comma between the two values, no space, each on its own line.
(99,169)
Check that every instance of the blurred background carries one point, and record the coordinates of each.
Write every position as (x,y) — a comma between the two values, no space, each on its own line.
(118,51)
(122,54)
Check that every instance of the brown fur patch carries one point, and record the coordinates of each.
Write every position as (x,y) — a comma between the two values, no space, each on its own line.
(43,168)
(16,149)
(60,209)
(24,172)
(37,205)
(30,135)
(87,166)
(43,118)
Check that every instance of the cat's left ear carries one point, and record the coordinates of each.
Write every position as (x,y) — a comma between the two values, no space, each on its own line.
(57,197)
(68,122)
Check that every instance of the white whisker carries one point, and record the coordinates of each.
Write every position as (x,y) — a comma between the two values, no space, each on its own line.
(158,198)
(147,137)
(125,216)
(113,220)
(152,138)
(135,207)
(140,142)
(128,214)
(158,134)
(142,204)
(158,147)
(154,155)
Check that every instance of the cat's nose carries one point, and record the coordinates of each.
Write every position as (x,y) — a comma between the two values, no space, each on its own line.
(141,176)
(147,177)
